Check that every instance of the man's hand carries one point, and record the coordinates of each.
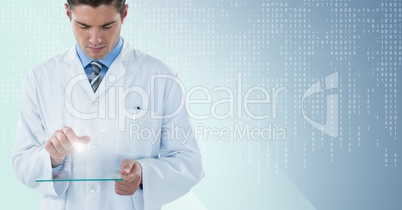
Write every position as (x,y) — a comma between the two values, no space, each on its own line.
(133,172)
(61,144)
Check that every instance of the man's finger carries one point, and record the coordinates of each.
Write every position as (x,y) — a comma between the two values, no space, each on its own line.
(56,140)
(53,152)
(125,188)
(65,143)
(135,174)
(84,139)
(126,166)
(121,190)
(72,137)
(50,148)
(121,184)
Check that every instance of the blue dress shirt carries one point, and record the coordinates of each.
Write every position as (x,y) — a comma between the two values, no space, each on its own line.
(106,61)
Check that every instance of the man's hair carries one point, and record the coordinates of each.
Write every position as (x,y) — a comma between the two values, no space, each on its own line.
(117,4)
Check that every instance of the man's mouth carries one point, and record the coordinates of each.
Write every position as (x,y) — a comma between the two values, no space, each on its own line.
(95,49)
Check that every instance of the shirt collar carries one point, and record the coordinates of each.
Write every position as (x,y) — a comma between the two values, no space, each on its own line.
(107,61)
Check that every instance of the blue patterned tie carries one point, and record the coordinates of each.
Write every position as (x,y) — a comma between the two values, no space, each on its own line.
(96,79)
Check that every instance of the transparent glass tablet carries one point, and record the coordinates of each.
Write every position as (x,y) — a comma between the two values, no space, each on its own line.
(85,176)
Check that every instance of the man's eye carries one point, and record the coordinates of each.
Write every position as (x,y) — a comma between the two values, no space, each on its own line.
(84,27)
(106,27)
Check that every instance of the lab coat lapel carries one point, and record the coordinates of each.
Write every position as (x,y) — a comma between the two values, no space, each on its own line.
(118,68)
(115,72)
(76,74)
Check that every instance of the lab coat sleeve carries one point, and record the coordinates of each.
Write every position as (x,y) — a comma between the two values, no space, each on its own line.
(178,167)
(30,159)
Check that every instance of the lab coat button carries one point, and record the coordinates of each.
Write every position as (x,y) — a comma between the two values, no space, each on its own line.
(94,145)
(92,189)
(94,102)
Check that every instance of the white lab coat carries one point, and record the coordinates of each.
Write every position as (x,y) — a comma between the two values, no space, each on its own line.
(122,121)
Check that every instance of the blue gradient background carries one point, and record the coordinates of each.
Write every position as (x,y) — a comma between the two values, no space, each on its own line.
(282,43)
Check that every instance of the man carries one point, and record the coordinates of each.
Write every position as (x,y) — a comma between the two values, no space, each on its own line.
(122,107)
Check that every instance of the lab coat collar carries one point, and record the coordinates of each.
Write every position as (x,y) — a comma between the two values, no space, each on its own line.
(114,74)
(126,53)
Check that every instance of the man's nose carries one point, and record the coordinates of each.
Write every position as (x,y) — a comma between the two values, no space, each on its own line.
(95,36)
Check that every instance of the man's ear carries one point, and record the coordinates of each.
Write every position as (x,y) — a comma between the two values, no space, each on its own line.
(67,8)
(125,12)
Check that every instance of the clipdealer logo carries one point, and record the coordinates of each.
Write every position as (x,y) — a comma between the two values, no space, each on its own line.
(330,127)
(220,103)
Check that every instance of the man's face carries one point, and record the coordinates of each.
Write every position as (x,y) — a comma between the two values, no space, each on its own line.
(97,30)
